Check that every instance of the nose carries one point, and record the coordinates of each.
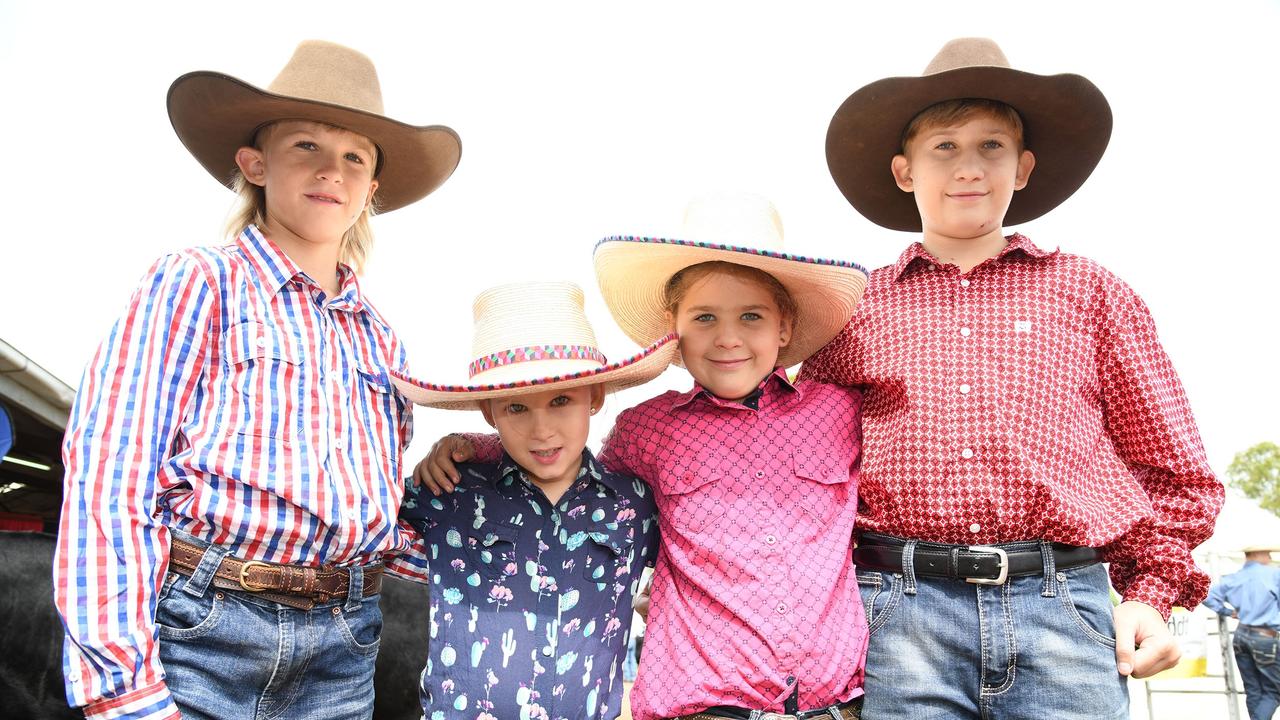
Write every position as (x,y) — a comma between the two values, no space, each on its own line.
(329,167)
(541,427)
(727,336)
(969,167)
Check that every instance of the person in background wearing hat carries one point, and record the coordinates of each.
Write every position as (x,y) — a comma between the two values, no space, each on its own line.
(1252,595)
(755,605)
(534,559)
(1022,423)
(234,454)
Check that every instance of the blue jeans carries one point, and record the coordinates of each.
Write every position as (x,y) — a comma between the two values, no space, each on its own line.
(1035,647)
(229,655)
(1256,658)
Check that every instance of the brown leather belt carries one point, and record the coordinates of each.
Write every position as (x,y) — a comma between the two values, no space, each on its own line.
(851,710)
(1263,631)
(296,586)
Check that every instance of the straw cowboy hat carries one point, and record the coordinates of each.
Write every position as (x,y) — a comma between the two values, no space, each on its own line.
(743,229)
(215,114)
(532,337)
(1261,548)
(1066,121)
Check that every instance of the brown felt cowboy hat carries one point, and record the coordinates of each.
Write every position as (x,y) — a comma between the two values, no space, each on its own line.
(215,114)
(1066,123)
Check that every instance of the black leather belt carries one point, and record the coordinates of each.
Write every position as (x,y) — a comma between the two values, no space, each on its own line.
(980,564)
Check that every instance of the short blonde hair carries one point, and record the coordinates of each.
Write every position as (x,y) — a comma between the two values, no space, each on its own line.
(251,209)
(951,112)
(678,285)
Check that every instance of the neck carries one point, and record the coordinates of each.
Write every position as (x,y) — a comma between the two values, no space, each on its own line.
(319,260)
(555,489)
(965,253)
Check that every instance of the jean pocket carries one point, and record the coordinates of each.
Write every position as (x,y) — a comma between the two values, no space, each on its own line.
(881,592)
(1263,651)
(1086,599)
(183,616)
(361,629)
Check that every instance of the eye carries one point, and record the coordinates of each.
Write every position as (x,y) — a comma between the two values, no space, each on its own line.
(704,318)
(945,145)
(560,401)
(355,158)
(752,316)
(515,409)
(305,145)
(992,145)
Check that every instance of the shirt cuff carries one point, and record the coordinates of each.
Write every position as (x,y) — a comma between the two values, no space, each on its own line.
(1153,592)
(149,703)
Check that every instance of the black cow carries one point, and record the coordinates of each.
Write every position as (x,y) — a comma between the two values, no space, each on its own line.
(31,685)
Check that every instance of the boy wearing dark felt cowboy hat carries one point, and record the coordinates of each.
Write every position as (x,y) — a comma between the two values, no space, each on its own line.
(1021,422)
(233,459)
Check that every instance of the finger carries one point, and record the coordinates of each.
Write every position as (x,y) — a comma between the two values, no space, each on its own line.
(1154,655)
(443,475)
(1124,646)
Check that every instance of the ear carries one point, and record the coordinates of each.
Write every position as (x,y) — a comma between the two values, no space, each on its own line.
(1026,163)
(670,319)
(252,164)
(784,332)
(373,187)
(900,166)
(486,409)
(597,398)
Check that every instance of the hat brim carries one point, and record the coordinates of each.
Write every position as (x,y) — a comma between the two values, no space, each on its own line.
(635,370)
(1261,548)
(633,272)
(1066,121)
(215,114)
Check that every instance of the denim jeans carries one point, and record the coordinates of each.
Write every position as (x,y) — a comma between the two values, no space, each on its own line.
(1256,658)
(229,655)
(1035,647)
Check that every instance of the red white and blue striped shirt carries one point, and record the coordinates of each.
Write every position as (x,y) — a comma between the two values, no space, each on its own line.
(236,402)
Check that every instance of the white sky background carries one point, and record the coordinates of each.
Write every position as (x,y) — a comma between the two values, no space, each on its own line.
(585,119)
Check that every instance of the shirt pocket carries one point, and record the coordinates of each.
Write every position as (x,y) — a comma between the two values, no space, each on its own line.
(492,549)
(824,483)
(608,555)
(264,375)
(385,406)
(694,500)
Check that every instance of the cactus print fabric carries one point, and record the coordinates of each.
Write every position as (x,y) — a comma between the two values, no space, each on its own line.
(530,602)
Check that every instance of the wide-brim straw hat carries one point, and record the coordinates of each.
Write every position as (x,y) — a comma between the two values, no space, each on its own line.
(739,228)
(1261,548)
(215,114)
(1066,124)
(532,337)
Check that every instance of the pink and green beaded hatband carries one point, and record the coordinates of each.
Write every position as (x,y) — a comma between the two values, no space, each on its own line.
(515,356)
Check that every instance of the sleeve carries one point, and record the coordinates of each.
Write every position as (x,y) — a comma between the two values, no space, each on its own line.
(1149,420)
(1217,600)
(415,562)
(136,393)
(834,362)
(487,446)
(619,453)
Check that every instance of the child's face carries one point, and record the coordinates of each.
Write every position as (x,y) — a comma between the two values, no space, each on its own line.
(730,333)
(318,179)
(963,177)
(545,432)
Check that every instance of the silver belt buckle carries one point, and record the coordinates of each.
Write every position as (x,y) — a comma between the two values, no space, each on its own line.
(1004,565)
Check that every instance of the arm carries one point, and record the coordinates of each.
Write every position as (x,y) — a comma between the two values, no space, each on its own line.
(834,362)
(112,551)
(1149,421)
(1217,600)
(438,471)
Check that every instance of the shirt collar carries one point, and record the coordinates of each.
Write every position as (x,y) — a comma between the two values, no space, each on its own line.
(1017,242)
(276,269)
(779,375)
(515,480)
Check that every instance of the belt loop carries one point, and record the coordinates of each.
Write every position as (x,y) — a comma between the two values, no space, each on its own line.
(355,588)
(756,714)
(909,567)
(1049,588)
(834,711)
(200,578)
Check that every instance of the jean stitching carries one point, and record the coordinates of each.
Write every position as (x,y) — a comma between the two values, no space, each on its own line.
(1070,607)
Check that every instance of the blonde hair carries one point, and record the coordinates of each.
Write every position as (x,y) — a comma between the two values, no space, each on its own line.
(678,285)
(251,209)
(951,112)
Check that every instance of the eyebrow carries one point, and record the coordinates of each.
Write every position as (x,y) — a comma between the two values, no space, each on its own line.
(710,308)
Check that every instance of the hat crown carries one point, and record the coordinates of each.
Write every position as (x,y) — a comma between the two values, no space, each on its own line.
(529,322)
(737,219)
(967,52)
(331,73)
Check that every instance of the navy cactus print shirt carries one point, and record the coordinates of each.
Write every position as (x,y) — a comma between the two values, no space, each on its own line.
(530,602)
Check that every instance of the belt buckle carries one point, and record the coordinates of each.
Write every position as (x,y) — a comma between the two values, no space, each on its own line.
(1004,565)
(244,581)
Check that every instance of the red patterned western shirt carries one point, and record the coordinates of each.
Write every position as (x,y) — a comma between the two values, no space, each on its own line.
(1026,399)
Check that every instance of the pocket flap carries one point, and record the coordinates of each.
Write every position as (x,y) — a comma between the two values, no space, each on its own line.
(686,482)
(255,341)
(818,468)
(376,380)
(493,533)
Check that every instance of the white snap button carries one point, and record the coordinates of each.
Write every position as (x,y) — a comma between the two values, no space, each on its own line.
(759,474)
(782,608)
(975,528)
(964,389)
(546,651)
(964,283)
(965,332)
(262,342)
(770,539)
(966,453)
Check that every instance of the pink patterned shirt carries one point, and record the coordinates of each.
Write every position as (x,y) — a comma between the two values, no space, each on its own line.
(754,590)
(1026,399)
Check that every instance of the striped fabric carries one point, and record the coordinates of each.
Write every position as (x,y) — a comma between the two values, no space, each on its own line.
(235,402)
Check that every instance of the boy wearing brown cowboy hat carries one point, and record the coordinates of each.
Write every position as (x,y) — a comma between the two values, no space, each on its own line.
(543,549)
(233,458)
(1021,424)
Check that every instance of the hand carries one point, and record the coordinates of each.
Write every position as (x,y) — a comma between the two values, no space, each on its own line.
(437,471)
(640,603)
(1140,625)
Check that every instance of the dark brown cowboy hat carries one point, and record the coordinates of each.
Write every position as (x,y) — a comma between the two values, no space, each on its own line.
(215,114)
(1066,121)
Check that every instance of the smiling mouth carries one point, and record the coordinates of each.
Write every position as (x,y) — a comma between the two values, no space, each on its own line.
(967,195)
(324,198)
(728,363)
(546,457)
